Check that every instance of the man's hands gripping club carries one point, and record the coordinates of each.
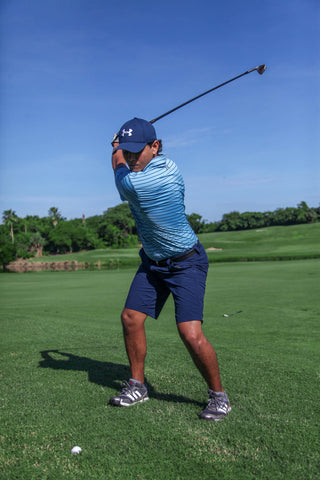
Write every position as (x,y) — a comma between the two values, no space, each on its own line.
(115,139)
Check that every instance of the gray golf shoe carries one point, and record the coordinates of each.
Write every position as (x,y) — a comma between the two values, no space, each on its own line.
(218,406)
(133,392)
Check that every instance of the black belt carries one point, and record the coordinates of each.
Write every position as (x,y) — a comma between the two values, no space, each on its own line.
(164,263)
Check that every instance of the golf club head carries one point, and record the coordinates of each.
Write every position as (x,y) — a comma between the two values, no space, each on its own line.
(261,69)
(230,314)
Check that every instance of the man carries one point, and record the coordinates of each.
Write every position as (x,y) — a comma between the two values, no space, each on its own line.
(172,261)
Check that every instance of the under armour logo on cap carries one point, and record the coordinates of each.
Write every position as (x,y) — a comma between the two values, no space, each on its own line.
(127,132)
(140,132)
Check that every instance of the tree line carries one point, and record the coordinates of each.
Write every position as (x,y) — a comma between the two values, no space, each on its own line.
(34,236)
(37,236)
(250,220)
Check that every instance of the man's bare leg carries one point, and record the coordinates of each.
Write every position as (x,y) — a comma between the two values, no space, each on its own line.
(202,353)
(134,335)
(204,357)
(135,341)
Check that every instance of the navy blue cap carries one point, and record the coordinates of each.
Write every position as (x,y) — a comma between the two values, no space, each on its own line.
(135,134)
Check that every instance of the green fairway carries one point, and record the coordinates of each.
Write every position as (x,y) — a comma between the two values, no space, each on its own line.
(278,243)
(62,357)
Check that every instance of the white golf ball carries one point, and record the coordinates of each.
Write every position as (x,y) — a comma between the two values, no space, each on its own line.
(76,450)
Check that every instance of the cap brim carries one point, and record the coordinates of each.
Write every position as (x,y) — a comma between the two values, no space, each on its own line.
(132,147)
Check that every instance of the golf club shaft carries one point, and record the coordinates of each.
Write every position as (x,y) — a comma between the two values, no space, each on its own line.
(260,69)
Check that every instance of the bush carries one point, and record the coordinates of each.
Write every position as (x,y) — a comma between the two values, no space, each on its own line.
(8,251)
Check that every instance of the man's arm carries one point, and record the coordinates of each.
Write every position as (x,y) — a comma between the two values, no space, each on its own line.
(118,160)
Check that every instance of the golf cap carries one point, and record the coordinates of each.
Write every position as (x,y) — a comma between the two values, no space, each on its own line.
(135,134)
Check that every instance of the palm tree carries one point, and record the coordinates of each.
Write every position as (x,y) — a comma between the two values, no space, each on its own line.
(37,243)
(9,218)
(55,215)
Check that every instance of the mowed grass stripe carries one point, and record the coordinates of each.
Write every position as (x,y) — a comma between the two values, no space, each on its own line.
(62,357)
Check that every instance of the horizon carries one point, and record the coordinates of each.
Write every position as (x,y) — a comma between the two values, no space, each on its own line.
(202,219)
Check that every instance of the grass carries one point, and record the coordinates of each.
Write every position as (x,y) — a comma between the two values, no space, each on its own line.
(273,243)
(62,357)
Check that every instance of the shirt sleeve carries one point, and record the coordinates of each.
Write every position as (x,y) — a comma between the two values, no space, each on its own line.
(123,183)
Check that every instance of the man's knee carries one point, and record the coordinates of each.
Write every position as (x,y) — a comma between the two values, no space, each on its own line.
(131,319)
(191,334)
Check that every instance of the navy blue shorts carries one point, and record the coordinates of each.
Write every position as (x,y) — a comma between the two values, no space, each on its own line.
(186,280)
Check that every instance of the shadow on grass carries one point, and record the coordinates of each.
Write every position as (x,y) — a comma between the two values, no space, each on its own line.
(106,374)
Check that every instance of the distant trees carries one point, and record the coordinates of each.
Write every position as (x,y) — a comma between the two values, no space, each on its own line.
(10,218)
(116,227)
(72,236)
(36,244)
(242,221)
(281,216)
(55,215)
(197,223)
(36,236)
(121,217)
(7,249)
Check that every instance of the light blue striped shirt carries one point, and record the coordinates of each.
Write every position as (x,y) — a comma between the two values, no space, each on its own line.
(156,199)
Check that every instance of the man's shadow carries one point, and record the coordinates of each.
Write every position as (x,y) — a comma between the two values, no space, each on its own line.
(106,374)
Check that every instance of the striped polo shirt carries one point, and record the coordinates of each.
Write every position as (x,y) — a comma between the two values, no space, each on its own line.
(156,200)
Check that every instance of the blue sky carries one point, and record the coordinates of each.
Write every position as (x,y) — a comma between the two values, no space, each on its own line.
(73,71)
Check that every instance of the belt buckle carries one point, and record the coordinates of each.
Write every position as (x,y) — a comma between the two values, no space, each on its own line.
(160,263)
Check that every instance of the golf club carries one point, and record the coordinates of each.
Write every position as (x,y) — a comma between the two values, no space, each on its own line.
(260,69)
(230,314)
